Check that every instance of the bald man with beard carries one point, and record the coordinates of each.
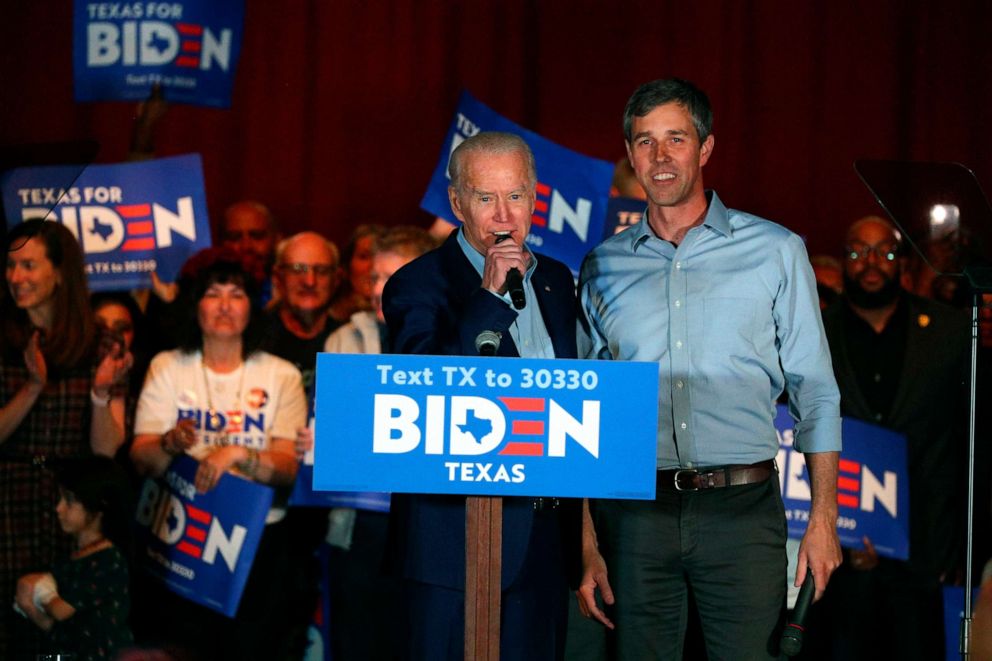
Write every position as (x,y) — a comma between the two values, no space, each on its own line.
(900,362)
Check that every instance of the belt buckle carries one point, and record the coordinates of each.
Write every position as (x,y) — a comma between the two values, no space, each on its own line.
(546,504)
(678,474)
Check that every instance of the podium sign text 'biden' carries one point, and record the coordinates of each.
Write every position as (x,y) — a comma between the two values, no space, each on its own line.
(485,426)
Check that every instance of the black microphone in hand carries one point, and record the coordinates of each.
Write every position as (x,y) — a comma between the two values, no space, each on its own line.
(792,636)
(514,281)
(515,287)
(487,343)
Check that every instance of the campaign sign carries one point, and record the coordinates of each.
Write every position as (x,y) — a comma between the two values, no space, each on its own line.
(303,494)
(621,213)
(572,189)
(130,218)
(486,426)
(189,47)
(872,486)
(201,546)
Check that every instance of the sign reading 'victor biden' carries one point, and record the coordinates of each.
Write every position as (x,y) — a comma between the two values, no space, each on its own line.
(486,426)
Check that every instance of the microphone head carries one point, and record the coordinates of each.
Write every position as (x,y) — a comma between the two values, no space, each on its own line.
(792,640)
(487,342)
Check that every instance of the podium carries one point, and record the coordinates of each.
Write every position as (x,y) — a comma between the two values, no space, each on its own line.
(484,428)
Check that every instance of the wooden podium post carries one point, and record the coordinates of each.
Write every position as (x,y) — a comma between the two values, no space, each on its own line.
(483,576)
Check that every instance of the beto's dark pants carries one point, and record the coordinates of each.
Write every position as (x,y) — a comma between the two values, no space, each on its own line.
(727,545)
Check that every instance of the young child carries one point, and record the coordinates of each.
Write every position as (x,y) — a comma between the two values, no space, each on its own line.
(83,602)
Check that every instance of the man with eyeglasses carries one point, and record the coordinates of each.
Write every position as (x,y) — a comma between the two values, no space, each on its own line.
(305,276)
(900,362)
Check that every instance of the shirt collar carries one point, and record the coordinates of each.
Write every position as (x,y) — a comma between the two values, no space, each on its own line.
(717,218)
(478,260)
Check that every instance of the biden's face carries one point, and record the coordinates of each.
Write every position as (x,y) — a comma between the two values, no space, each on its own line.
(495,197)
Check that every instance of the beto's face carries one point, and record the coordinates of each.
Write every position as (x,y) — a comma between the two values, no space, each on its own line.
(495,197)
(667,155)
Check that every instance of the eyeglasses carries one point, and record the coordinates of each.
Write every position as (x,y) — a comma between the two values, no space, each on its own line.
(885,251)
(321,270)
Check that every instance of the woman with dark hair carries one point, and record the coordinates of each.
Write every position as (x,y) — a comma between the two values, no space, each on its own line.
(82,603)
(54,404)
(119,321)
(235,409)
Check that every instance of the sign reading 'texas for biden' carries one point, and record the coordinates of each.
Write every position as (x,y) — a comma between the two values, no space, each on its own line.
(129,218)
(189,47)
(486,426)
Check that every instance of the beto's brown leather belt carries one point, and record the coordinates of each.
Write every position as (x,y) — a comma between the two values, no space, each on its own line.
(714,477)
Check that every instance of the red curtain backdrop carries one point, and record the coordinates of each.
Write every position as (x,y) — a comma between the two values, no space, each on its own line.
(340,106)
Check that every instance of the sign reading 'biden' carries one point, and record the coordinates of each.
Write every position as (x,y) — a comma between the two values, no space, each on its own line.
(189,47)
(872,486)
(486,426)
(130,218)
(572,189)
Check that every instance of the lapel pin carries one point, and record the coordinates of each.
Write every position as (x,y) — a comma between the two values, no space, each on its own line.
(923,320)
(547,287)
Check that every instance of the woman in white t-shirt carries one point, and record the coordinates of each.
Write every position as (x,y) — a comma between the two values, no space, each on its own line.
(235,409)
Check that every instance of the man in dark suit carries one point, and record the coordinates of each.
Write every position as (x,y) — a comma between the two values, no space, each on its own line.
(900,362)
(439,304)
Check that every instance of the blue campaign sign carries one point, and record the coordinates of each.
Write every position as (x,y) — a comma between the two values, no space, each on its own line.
(201,546)
(189,47)
(872,486)
(130,218)
(621,213)
(572,189)
(303,494)
(486,426)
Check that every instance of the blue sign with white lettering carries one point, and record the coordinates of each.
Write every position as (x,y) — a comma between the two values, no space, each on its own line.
(130,218)
(872,486)
(572,189)
(189,47)
(201,546)
(621,213)
(486,426)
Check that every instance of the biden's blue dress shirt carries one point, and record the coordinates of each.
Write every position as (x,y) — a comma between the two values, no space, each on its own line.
(732,317)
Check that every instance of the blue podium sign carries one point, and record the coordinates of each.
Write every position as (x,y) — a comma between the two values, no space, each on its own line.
(872,486)
(201,545)
(486,426)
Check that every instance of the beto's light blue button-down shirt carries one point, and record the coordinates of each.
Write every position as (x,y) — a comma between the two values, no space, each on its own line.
(732,317)
(528,332)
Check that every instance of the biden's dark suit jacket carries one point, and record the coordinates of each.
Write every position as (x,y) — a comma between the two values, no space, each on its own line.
(435,305)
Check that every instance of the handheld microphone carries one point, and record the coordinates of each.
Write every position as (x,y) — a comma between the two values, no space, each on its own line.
(792,636)
(487,343)
(515,286)
(514,281)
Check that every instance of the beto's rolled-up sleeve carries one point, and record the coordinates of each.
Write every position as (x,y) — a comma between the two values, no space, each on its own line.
(814,400)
